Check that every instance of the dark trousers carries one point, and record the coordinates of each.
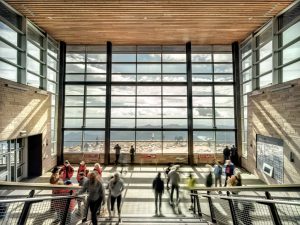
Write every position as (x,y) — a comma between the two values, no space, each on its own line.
(227,175)
(94,206)
(132,158)
(172,192)
(112,202)
(193,196)
(117,158)
(158,201)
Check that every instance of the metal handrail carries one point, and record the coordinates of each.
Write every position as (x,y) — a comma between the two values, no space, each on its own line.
(4,185)
(40,199)
(275,187)
(259,200)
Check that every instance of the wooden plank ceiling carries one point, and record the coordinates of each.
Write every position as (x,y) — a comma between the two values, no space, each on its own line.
(149,21)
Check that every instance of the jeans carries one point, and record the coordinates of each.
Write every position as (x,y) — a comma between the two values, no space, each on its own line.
(175,186)
(218,180)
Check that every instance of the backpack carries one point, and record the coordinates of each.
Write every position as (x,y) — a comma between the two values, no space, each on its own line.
(227,169)
(209,180)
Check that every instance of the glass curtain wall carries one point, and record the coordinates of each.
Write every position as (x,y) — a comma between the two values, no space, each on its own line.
(11,45)
(270,56)
(213,98)
(149,99)
(85,91)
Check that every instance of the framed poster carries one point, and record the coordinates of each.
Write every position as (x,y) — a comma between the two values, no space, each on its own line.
(269,156)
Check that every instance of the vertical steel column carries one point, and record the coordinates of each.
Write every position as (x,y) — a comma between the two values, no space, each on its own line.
(232,210)
(189,102)
(25,210)
(61,102)
(211,209)
(108,103)
(237,97)
(273,210)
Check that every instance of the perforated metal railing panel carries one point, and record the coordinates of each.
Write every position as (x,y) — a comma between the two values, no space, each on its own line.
(289,214)
(222,211)
(252,213)
(10,212)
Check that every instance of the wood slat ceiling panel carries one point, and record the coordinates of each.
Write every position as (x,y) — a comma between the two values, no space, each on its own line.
(149,21)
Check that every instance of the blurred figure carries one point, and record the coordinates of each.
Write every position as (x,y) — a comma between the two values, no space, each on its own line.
(96,197)
(82,179)
(158,187)
(67,171)
(116,187)
(167,170)
(226,153)
(54,178)
(118,151)
(229,169)
(82,169)
(98,169)
(209,177)
(191,184)
(174,179)
(218,170)
(234,155)
(132,154)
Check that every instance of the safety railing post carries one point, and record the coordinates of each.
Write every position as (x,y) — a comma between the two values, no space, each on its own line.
(66,211)
(232,210)
(273,210)
(211,208)
(25,211)
(197,202)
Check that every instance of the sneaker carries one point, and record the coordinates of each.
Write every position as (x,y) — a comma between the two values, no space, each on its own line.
(83,220)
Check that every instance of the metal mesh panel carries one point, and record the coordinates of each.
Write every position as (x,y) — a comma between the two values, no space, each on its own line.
(222,211)
(204,206)
(251,213)
(289,214)
(10,212)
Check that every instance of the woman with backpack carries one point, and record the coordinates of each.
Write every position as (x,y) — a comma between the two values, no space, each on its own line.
(218,170)
(229,169)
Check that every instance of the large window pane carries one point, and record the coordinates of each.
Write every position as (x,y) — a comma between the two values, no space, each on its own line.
(73,112)
(149,78)
(265,66)
(95,101)
(174,57)
(202,101)
(148,57)
(290,53)
(74,101)
(123,57)
(202,78)
(95,112)
(8,72)
(96,68)
(123,113)
(33,65)
(202,68)
(291,72)
(202,90)
(33,80)
(174,90)
(224,112)
(174,112)
(174,68)
(95,123)
(123,68)
(149,68)
(203,123)
(148,113)
(75,57)
(204,141)
(175,142)
(149,101)
(202,113)
(95,90)
(222,57)
(75,68)
(224,101)
(96,57)
(265,80)
(148,124)
(174,101)
(224,138)
(122,123)
(223,68)
(291,33)
(8,53)
(123,101)
(74,90)
(123,90)
(73,123)
(224,90)
(201,57)
(174,78)
(8,34)
(265,50)
(148,90)
(175,123)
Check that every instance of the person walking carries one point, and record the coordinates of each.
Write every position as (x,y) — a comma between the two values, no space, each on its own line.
(174,180)
(96,197)
(98,169)
(234,155)
(132,154)
(54,178)
(67,171)
(116,187)
(158,187)
(218,170)
(82,179)
(118,151)
(191,184)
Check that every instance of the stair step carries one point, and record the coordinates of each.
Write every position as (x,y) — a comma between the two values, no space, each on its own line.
(156,220)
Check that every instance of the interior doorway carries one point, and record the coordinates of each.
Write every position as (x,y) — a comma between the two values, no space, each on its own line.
(35,155)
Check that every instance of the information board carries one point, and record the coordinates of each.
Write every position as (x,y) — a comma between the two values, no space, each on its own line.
(269,156)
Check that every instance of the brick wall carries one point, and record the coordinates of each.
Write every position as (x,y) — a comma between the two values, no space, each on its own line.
(26,110)
(276,114)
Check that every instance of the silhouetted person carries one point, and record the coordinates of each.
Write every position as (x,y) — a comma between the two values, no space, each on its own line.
(118,150)
(132,154)
(234,155)
(226,153)
(158,187)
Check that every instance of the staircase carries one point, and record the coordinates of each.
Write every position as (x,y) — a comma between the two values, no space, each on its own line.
(155,221)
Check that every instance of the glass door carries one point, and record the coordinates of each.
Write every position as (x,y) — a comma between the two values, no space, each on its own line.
(4,161)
